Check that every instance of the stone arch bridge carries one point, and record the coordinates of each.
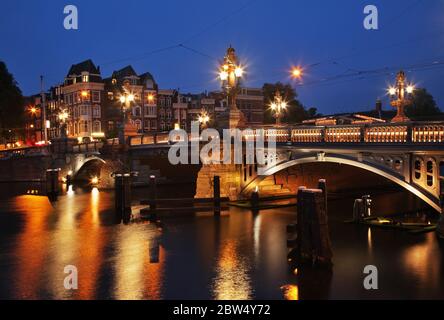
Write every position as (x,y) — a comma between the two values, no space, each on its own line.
(408,154)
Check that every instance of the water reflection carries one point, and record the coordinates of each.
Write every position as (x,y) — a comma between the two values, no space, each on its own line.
(240,256)
(232,280)
(290,292)
(31,245)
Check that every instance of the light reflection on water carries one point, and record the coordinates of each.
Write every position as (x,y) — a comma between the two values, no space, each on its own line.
(242,256)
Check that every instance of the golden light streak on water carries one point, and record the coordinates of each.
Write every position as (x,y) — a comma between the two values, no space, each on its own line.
(291,292)
(131,256)
(31,245)
(92,246)
(232,280)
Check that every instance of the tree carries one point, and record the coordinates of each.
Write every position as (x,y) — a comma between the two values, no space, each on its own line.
(11,103)
(423,105)
(295,112)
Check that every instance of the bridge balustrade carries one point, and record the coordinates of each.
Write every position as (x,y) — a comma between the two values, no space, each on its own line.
(343,134)
(386,134)
(280,135)
(87,147)
(428,133)
(307,135)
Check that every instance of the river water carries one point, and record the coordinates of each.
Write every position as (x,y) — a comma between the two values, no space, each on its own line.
(239,256)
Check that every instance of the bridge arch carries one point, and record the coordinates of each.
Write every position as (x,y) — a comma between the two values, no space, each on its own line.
(381,171)
(88,168)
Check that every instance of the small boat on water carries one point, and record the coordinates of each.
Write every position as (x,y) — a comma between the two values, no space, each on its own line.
(388,223)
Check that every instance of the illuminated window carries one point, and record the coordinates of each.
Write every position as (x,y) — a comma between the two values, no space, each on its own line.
(85,78)
(97,126)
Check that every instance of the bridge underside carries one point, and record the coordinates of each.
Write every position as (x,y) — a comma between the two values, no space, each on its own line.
(416,173)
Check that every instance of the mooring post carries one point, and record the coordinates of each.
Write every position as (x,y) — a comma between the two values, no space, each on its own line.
(216,193)
(358,210)
(69,178)
(127,197)
(300,222)
(153,193)
(52,183)
(118,196)
(255,200)
(313,240)
(322,185)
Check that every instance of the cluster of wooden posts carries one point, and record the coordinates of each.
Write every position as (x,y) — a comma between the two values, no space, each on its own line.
(309,237)
(180,207)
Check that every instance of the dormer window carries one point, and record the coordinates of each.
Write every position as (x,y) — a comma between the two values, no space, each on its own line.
(85,78)
(114,81)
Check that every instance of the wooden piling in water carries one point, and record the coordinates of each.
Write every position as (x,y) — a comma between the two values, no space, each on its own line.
(52,184)
(153,193)
(216,195)
(122,183)
(254,201)
(313,239)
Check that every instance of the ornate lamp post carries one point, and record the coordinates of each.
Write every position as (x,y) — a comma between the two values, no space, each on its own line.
(278,106)
(125,127)
(401,96)
(63,116)
(203,118)
(230,73)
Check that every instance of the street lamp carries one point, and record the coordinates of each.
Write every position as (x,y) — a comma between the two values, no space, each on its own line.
(401,96)
(203,118)
(230,73)
(296,72)
(278,106)
(63,116)
(125,99)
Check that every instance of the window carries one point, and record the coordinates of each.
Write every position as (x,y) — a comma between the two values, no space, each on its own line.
(138,124)
(114,81)
(97,126)
(83,126)
(96,111)
(83,110)
(85,78)
(137,112)
(96,96)
(110,125)
(110,96)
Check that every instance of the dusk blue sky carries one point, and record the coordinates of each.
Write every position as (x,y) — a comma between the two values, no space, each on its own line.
(269,37)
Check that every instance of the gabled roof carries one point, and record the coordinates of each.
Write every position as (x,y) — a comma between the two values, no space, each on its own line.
(146,76)
(128,71)
(85,66)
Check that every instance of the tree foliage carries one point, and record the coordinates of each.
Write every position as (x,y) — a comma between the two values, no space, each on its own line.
(295,112)
(11,102)
(423,105)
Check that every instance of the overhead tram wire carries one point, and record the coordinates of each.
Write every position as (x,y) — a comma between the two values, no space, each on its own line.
(386,71)
(219,21)
(182,43)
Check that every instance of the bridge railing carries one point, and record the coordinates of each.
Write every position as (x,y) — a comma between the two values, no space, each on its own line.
(94,146)
(388,133)
(24,152)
